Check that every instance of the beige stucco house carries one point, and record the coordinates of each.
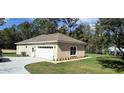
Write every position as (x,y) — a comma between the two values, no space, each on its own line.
(52,46)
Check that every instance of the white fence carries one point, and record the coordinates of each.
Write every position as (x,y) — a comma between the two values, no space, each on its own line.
(8,51)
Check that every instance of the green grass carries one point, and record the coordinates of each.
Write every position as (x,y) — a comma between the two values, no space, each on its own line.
(98,64)
(11,54)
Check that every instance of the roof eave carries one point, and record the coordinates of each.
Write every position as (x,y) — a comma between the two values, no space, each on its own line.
(55,41)
(36,42)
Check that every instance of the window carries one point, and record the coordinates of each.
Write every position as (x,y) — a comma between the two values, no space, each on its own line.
(72,50)
(45,47)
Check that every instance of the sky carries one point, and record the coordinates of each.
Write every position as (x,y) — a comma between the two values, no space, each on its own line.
(12,21)
(89,20)
(16,21)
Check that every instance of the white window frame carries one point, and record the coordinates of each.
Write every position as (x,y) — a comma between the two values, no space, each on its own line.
(70,50)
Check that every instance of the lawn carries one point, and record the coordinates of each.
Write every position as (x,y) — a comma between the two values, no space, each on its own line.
(98,64)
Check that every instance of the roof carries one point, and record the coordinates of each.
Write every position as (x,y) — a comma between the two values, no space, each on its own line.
(51,38)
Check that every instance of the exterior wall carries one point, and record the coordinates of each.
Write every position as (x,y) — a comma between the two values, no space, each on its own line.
(28,50)
(61,51)
(64,51)
(22,48)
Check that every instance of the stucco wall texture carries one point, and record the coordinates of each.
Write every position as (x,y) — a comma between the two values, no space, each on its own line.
(61,51)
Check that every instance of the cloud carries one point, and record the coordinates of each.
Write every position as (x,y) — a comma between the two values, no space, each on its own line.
(89,20)
(7,20)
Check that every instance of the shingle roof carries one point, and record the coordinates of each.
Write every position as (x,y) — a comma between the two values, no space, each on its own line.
(56,37)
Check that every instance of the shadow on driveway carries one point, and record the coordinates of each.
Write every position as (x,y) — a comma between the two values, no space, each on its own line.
(4,60)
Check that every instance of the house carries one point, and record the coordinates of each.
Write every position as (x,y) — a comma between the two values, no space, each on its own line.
(52,46)
(114,50)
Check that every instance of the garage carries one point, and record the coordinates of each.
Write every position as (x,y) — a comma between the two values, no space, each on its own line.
(44,52)
(54,47)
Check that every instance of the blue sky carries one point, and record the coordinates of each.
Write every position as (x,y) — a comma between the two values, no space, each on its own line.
(11,21)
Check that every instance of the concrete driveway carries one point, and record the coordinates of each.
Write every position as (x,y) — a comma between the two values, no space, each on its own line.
(15,65)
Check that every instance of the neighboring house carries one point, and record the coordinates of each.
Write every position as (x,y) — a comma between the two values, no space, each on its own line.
(113,49)
(52,46)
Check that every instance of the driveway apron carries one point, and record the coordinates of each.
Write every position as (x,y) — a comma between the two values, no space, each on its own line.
(15,65)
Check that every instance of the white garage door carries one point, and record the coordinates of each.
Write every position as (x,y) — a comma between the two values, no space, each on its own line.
(44,52)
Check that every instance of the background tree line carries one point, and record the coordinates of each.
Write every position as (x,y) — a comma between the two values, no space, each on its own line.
(38,26)
(106,32)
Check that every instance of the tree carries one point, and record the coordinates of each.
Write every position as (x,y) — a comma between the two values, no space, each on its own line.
(115,27)
(44,26)
(63,29)
(2,21)
(25,30)
(10,37)
(1,39)
(71,24)
(83,32)
(87,33)
(102,40)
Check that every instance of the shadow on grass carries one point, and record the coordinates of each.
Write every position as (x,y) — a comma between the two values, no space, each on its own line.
(4,60)
(116,65)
